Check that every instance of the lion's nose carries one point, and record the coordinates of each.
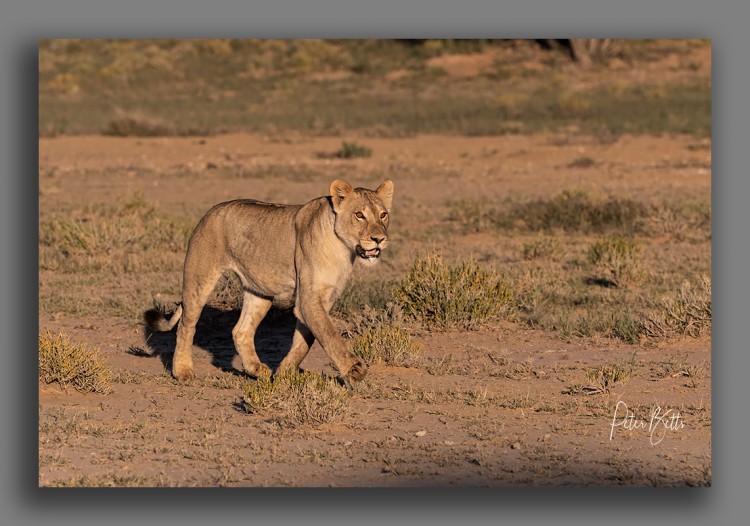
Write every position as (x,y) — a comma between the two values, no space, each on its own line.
(378,239)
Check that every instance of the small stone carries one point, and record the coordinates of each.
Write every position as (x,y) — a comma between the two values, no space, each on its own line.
(420,433)
(448,443)
(516,445)
(347,443)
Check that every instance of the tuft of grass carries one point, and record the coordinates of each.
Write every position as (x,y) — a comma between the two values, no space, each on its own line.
(678,366)
(542,248)
(293,399)
(615,260)
(688,312)
(388,344)
(605,377)
(602,379)
(352,150)
(441,295)
(78,366)
(582,162)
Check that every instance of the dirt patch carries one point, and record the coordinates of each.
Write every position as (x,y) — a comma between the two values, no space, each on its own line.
(502,405)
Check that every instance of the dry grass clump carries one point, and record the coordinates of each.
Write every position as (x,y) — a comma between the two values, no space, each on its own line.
(352,150)
(478,216)
(387,344)
(293,399)
(686,313)
(602,379)
(576,211)
(615,260)
(136,124)
(543,247)
(441,295)
(131,236)
(607,376)
(78,366)
(572,211)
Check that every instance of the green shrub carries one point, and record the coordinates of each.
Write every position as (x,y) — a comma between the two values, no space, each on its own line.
(615,260)
(443,296)
(294,399)
(387,344)
(76,365)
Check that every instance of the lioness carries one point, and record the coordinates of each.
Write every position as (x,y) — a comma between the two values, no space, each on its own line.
(293,254)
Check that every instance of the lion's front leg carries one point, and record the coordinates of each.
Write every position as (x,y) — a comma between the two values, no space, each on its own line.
(315,316)
(301,343)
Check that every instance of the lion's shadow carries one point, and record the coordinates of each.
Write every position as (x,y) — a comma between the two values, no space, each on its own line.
(213,334)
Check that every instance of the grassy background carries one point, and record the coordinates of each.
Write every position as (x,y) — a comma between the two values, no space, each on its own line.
(379,87)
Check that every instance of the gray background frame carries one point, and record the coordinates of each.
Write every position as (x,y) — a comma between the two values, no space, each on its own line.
(23,24)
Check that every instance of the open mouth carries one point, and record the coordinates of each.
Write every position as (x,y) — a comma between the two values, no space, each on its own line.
(368,254)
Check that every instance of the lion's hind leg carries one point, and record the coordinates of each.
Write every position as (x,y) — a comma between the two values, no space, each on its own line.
(199,279)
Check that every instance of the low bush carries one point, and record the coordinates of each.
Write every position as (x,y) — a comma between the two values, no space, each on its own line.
(78,366)
(352,150)
(615,260)
(441,295)
(293,399)
(386,344)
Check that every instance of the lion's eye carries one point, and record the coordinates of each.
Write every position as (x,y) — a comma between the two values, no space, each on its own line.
(359,215)
(383,215)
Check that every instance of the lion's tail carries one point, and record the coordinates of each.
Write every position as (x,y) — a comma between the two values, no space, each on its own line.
(157,322)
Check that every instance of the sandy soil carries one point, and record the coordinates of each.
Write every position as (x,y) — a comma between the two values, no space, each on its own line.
(460,421)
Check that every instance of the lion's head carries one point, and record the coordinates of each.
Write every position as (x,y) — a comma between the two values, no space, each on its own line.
(362,217)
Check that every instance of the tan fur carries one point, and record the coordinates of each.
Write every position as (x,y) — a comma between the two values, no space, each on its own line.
(291,254)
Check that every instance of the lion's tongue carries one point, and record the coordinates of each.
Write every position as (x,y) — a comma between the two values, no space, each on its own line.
(373,252)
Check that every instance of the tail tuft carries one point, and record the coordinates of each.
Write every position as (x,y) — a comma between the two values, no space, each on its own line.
(157,322)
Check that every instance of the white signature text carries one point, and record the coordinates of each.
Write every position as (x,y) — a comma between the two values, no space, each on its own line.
(661,422)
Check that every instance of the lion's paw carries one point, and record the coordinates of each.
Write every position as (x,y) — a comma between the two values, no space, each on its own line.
(183,374)
(356,373)
(258,369)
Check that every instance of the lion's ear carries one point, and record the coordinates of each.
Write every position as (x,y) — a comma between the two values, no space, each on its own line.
(340,190)
(385,192)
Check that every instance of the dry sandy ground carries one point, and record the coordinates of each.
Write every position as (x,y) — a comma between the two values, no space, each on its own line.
(487,408)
